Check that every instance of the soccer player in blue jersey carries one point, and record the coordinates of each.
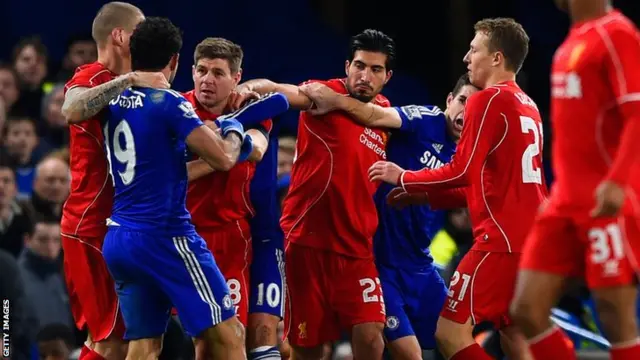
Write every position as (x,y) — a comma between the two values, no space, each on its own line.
(151,249)
(421,136)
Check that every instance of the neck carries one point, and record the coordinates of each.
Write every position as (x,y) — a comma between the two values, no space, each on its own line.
(498,77)
(107,56)
(588,10)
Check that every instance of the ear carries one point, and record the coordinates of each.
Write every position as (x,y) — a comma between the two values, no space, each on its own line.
(498,58)
(116,36)
(173,64)
(346,67)
(237,77)
(193,72)
(449,99)
(388,77)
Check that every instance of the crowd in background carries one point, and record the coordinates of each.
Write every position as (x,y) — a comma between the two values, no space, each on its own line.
(34,183)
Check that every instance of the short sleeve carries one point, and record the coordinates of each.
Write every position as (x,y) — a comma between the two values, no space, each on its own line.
(180,115)
(88,77)
(623,72)
(415,118)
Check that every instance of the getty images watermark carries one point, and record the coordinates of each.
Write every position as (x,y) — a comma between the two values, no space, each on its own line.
(6,338)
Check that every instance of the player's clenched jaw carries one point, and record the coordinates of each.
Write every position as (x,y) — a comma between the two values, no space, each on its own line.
(216,72)
(370,65)
(479,60)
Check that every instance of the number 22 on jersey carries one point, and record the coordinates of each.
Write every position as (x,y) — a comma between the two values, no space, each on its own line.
(531,173)
(124,151)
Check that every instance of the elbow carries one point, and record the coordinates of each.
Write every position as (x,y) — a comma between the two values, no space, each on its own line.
(256,155)
(70,116)
(227,163)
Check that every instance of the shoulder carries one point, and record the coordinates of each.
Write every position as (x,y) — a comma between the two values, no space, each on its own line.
(421,112)
(337,85)
(90,75)
(381,100)
(484,97)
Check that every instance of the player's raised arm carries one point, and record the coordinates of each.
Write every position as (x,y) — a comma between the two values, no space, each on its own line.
(483,122)
(296,98)
(368,114)
(82,102)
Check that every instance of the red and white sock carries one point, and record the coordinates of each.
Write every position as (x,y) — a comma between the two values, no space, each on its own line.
(626,351)
(90,355)
(552,344)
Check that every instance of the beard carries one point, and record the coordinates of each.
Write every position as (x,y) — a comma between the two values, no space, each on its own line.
(359,96)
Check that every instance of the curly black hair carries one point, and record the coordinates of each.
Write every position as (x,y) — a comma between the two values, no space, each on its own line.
(153,42)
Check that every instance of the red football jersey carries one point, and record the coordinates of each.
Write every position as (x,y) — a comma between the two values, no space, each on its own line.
(499,160)
(595,93)
(221,197)
(91,197)
(330,201)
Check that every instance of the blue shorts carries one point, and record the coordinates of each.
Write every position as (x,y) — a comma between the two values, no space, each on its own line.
(153,273)
(413,300)
(267,275)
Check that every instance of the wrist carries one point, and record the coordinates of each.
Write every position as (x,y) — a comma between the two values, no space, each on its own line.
(130,78)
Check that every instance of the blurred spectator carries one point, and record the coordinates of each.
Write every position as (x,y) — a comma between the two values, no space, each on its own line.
(53,130)
(22,144)
(40,266)
(81,49)
(50,188)
(14,220)
(23,323)
(30,62)
(286,153)
(62,154)
(55,342)
(9,88)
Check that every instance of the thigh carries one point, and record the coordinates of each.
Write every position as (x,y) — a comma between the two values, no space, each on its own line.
(554,246)
(309,321)
(92,294)
(612,245)
(143,304)
(187,273)
(397,324)
(427,296)
(267,277)
(356,292)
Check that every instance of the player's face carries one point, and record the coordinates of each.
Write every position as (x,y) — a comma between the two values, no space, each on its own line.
(214,81)
(480,61)
(367,74)
(455,110)
(46,240)
(82,52)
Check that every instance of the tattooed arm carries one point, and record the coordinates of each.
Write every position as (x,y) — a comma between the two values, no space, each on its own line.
(81,103)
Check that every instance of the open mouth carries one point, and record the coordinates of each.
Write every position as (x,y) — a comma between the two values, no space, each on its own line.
(458,123)
(207,92)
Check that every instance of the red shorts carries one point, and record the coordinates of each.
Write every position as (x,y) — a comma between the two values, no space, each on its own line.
(329,293)
(603,251)
(231,249)
(482,288)
(92,293)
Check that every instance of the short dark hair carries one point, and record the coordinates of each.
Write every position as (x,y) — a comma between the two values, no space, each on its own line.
(19,117)
(9,68)
(79,37)
(154,41)
(56,331)
(507,36)
(6,162)
(463,81)
(34,41)
(220,48)
(375,41)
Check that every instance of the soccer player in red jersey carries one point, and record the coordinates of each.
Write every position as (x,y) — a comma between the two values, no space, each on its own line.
(498,163)
(219,202)
(329,217)
(590,228)
(92,294)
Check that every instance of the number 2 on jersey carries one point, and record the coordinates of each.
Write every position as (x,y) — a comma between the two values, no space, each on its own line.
(125,155)
(530,173)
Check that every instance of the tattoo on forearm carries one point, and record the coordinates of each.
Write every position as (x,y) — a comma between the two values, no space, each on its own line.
(95,99)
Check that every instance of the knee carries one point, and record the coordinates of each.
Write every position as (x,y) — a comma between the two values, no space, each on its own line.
(525,313)
(452,337)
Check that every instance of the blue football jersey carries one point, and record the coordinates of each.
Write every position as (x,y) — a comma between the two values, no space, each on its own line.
(145,134)
(403,236)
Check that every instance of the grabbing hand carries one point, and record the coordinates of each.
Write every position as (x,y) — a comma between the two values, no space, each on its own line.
(609,199)
(385,171)
(240,96)
(146,79)
(323,97)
